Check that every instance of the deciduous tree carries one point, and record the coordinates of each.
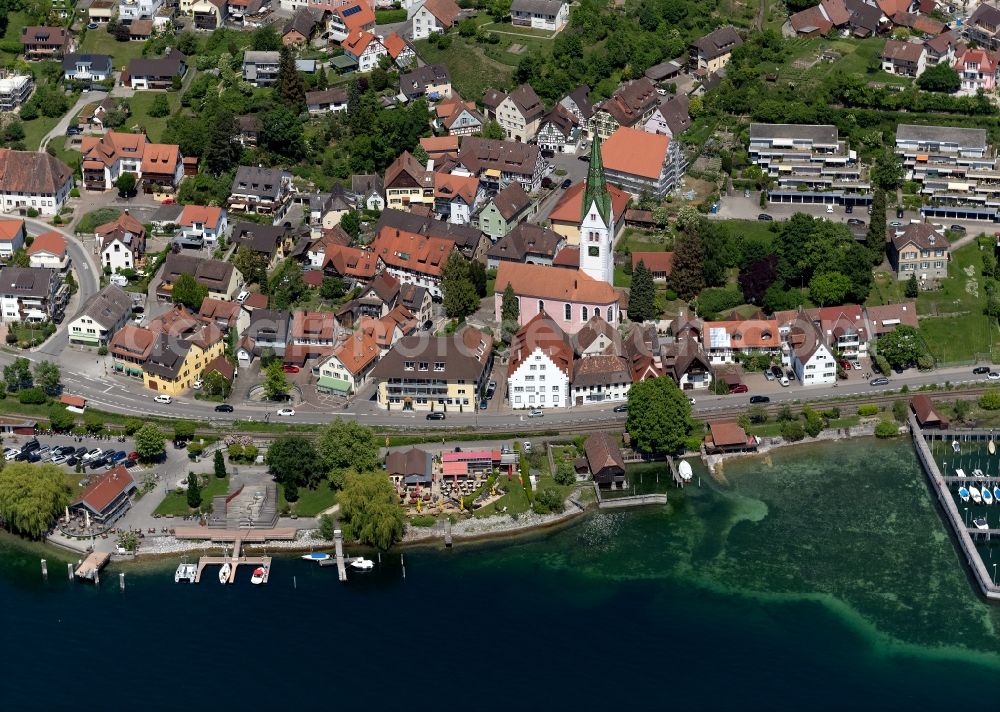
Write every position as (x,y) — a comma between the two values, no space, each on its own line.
(658,415)
(460,297)
(687,276)
(370,509)
(150,443)
(47,376)
(31,497)
(189,292)
(346,445)
(292,458)
(901,347)
(275,381)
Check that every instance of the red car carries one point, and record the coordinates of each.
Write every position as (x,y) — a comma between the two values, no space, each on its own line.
(133,456)
(290,368)
(739,388)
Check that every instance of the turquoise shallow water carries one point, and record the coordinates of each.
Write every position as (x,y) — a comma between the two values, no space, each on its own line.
(821,576)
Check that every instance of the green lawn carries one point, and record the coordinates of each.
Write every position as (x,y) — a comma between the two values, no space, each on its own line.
(803,66)
(35,131)
(89,222)
(471,72)
(140,105)
(310,502)
(621,278)
(175,503)
(16,21)
(67,156)
(100,42)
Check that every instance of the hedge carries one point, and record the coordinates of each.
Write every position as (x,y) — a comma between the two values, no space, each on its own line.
(867,410)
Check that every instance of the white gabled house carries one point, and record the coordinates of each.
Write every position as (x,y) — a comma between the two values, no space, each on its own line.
(541,364)
(811,359)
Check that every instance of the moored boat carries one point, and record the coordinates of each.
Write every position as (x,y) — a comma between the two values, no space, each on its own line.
(258,575)
(976,496)
(362,564)
(978,473)
(991,447)
(981,523)
(186,572)
(959,472)
(987,496)
(224,573)
(963,494)
(316,556)
(684,470)
(955,446)
(996,495)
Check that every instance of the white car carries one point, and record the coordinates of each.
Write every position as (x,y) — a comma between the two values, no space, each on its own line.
(242,297)
(287,411)
(857,365)
(829,208)
(536,414)
(9,453)
(993,376)
(691,400)
(163,398)
(526,446)
(197,385)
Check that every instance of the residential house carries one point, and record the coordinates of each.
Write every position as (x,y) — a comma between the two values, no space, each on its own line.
(518,113)
(269,331)
(327,101)
(565,215)
(558,131)
(904,59)
(811,22)
(954,166)
(430,80)
(223,280)
(33,179)
(455,196)
(919,25)
(86,67)
(365,49)
(712,52)
(866,20)
(631,106)
(15,90)
(12,237)
(641,163)
(671,118)
(203,224)
(658,263)
(413,258)
(102,12)
(418,302)
(131,10)
(810,358)
(432,16)
(727,339)
(349,367)
(440,148)
(209,14)
(503,211)
(526,243)
(122,243)
(728,437)
(884,319)
(410,468)
(548,15)
(408,183)
(260,68)
(156,166)
(843,328)
(100,317)
(941,49)
(920,250)
(540,365)
(313,335)
(264,191)
(327,209)
(140,30)
(983,27)
(273,242)
(580,106)
(435,373)
(129,348)
(250,128)
(604,458)
(32,295)
(155,72)
(684,359)
(597,338)
(353,265)
(349,19)
(458,117)
(224,315)
(45,42)
(600,379)
(178,358)
(48,250)
(368,191)
(299,28)
(977,68)
(400,50)
(249,13)
(470,241)
(497,164)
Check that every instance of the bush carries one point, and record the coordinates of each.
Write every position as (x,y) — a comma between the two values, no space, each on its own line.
(886,429)
(758,414)
(866,411)
(792,430)
(326,527)
(102,350)
(899,410)
(990,400)
(423,520)
(195,449)
(291,492)
(565,474)
(31,396)
(548,500)
(814,422)
(925,362)
(785,414)
(882,364)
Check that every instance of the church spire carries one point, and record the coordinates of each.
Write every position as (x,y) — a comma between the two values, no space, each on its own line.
(596,190)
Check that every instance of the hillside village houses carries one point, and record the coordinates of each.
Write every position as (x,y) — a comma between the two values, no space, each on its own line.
(430,16)
(12,237)
(48,250)
(30,179)
(122,243)
(550,15)
(518,113)
(631,105)
(100,317)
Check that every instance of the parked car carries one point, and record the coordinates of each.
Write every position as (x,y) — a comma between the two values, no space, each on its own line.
(768,375)
(784,381)
(980,370)
(880,381)
(776,371)
(845,364)
(566,184)
(97,462)
(623,408)
(482,404)
(133,456)
(849,209)
(288,412)
(738,388)
(223,408)
(993,376)
(436,415)
(899,212)
(59,459)
(163,398)
(584,157)
(31,446)
(855,221)
(72,460)
(44,453)
(290,368)
(746,192)
(829,208)
(96,452)
(759,399)
(957,228)
(526,446)
(895,223)
(857,365)
(9,453)
(80,451)
(764,217)
(119,456)
(536,414)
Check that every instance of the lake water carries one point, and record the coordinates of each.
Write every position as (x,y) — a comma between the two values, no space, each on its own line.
(818,576)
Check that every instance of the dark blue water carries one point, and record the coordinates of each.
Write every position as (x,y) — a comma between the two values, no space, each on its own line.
(698,606)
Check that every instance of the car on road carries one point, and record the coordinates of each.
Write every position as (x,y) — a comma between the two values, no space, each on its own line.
(759,399)
(993,376)
(223,408)
(566,184)
(764,217)
(880,381)
(289,412)
(536,414)
(739,388)
(163,398)
(957,228)
(435,415)
(623,408)
(981,370)
(290,368)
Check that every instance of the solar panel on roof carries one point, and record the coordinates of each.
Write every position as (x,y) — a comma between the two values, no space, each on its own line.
(353,10)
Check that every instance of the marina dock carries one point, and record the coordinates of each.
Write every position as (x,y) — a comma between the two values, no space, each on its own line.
(90,568)
(234,560)
(939,484)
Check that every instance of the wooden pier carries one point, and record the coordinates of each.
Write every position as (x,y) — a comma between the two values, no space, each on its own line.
(90,568)
(340,561)
(234,561)
(939,483)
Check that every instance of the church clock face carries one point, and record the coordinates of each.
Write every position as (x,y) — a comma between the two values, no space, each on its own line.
(594,251)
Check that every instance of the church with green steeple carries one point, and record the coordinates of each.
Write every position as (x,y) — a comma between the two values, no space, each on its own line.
(597,218)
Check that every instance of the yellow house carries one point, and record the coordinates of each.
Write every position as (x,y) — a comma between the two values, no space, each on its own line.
(175,363)
(565,216)
(408,183)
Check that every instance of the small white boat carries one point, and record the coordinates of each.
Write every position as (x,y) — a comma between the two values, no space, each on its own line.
(316,556)
(258,575)
(186,572)
(362,564)
(963,494)
(978,473)
(959,472)
(981,523)
(684,470)
(224,573)
(996,495)
(987,496)
(955,446)
(991,447)
(976,496)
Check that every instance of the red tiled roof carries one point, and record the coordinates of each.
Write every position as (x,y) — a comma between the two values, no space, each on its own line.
(10,228)
(567,210)
(635,152)
(556,283)
(192,214)
(412,251)
(654,261)
(51,242)
(106,488)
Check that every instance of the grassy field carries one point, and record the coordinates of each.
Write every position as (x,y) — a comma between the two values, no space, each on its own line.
(95,218)
(16,21)
(140,104)
(310,502)
(472,73)
(804,67)
(35,130)
(66,155)
(100,42)
(175,503)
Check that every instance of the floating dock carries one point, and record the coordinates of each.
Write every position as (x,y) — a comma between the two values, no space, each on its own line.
(235,560)
(90,568)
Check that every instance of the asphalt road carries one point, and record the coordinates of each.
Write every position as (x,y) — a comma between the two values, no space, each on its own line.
(90,97)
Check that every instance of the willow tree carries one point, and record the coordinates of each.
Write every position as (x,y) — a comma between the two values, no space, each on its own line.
(370,509)
(31,497)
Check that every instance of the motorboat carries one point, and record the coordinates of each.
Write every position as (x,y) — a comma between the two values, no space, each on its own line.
(991,447)
(981,523)
(316,556)
(955,446)
(224,572)
(987,496)
(186,572)
(362,564)
(978,473)
(963,493)
(996,495)
(684,470)
(959,472)
(976,496)
(258,575)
